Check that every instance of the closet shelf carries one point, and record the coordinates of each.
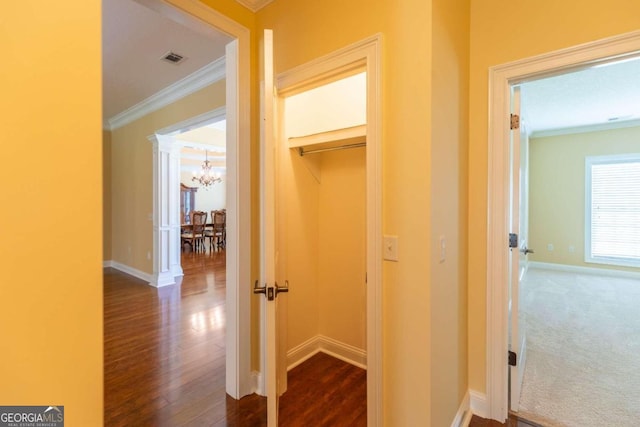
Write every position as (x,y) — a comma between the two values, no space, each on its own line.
(338,139)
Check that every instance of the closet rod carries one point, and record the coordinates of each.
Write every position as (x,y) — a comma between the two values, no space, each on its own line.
(302,152)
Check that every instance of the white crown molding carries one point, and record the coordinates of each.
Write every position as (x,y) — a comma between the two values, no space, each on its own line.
(586,128)
(205,76)
(254,5)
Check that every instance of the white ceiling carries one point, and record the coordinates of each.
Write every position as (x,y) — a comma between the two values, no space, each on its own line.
(135,37)
(604,94)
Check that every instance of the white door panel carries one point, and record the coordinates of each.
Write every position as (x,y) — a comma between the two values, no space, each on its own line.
(517,255)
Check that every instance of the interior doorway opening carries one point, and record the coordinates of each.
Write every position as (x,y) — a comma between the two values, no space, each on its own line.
(498,292)
(345,63)
(166,223)
(566,297)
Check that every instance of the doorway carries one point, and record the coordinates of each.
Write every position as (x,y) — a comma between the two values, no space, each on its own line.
(239,381)
(351,60)
(322,222)
(576,301)
(501,79)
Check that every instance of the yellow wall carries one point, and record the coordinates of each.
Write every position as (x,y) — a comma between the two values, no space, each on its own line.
(449,163)
(557,191)
(106,195)
(306,30)
(342,252)
(51,245)
(132,175)
(504,31)
(322,220)
(297,216)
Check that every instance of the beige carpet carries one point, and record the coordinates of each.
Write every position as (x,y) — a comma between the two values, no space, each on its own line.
(583,358)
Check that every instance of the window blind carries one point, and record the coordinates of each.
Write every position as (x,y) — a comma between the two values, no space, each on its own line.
(615,210)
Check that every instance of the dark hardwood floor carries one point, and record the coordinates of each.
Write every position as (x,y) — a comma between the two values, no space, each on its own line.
(324,391)
(513,421)
(164,351)
(164,360)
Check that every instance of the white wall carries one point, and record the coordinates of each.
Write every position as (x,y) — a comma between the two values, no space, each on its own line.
(207,198)
(337,105)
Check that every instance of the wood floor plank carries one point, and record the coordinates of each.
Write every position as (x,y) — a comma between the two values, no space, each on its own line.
(324,391)
(164,351)
(164,360)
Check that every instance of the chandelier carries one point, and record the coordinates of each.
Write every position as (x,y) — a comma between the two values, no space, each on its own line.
(206,177)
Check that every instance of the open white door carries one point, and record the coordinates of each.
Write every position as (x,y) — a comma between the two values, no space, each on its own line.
(267,286)
(523,225)
(517,254)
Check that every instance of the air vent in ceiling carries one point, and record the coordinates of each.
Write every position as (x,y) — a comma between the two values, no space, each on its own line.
(173,57)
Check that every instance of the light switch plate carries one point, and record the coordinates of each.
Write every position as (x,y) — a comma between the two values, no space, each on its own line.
(390,249)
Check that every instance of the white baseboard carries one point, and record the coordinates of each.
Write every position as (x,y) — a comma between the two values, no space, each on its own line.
(129,270)
(479,404)
(257,384)
(321,343)
(107,263)
(302,352)
(584,270)
(464,414)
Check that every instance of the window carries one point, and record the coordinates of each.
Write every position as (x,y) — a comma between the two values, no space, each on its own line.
(613,210)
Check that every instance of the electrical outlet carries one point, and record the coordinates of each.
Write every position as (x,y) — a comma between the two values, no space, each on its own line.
(550,247)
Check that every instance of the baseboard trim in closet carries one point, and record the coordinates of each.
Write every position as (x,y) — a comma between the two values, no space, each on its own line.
(321,343)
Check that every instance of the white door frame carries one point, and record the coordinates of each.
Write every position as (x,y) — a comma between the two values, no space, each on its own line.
(365,54)
(501,78)
(192,13)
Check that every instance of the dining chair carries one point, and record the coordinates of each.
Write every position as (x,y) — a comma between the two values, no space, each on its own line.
(218,231)
(195,235)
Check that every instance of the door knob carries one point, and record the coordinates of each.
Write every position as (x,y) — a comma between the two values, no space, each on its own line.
(259,289)
(284,288)
(526,251)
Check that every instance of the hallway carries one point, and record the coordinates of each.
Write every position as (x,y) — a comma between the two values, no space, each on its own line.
(164,350)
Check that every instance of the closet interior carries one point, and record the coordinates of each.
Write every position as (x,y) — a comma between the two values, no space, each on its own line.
(321,220)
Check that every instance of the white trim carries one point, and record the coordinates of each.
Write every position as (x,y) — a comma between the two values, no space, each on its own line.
(130,271)
(584,270)
(257,383)
(320,343)
(107,263)
(586,128)
(501,78)
(589,162)
(302,352)
(166,211)
(254,5)
(479,404)
(365,54)
(193,13)
(205,76)
(345,352)
(464,414)
(206,118)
